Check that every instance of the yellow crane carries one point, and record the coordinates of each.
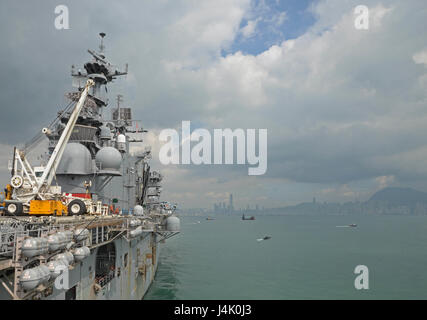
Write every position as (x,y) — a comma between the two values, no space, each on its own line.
(27,193)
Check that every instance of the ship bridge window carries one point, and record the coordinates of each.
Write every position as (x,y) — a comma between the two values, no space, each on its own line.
(105,266)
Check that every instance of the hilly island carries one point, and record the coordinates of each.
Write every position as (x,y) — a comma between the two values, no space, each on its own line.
(388,201)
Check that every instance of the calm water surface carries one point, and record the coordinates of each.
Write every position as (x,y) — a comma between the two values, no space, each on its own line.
(308,257)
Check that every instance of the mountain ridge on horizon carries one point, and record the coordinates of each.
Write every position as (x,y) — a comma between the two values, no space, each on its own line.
(399,196)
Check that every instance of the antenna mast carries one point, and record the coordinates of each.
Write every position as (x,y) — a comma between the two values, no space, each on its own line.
(101,46)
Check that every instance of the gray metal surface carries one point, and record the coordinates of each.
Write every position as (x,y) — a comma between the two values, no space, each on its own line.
(110,254)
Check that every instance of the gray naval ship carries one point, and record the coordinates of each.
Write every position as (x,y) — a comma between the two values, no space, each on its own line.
(87,222)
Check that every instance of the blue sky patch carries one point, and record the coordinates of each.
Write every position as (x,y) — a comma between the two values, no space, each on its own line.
(270,22)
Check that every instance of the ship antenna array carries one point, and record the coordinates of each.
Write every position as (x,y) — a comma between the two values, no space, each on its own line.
(119,100)
(101,46)
(30,145)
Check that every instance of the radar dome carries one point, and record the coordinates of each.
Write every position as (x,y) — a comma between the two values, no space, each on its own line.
(121,138)
(75,160)
(109,158)
(173,224)
(138,210)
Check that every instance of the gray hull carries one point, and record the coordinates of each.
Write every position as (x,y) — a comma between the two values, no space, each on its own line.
(132,266)
(135,266)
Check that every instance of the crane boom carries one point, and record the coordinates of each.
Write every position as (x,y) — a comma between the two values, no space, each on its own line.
(57,153)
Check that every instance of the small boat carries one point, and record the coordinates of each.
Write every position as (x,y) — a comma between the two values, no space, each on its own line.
(249,218)
(353,225)
(265,238)
(209,218)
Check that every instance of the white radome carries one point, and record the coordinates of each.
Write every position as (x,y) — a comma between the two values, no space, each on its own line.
(109,158)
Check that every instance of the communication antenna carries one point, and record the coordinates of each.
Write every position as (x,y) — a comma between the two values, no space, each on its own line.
(101,46)
(116,113)
(119,99)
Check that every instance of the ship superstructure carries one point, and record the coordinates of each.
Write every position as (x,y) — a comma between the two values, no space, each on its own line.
(90,214)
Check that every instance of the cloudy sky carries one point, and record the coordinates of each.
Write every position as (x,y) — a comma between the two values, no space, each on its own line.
(345,109)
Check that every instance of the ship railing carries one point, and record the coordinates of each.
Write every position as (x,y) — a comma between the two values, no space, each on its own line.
(103,281)
(8,241)
(8,238)
(100,234)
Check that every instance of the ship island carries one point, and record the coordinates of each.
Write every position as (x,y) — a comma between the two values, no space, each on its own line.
(86,222)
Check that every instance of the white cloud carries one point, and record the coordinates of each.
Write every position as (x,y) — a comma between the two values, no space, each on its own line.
(206,27)
(250,28)
(278,19)
(384,181)
(331,98)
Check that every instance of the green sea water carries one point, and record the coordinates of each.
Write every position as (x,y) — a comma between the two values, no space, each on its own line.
(308,257)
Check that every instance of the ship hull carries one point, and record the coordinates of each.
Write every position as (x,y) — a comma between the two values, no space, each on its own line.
(132,265)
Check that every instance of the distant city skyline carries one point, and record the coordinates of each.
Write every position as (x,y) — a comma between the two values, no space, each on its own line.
(221,207)
(389,201)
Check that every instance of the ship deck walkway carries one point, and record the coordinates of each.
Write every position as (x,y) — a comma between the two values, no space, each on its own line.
(102,230)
